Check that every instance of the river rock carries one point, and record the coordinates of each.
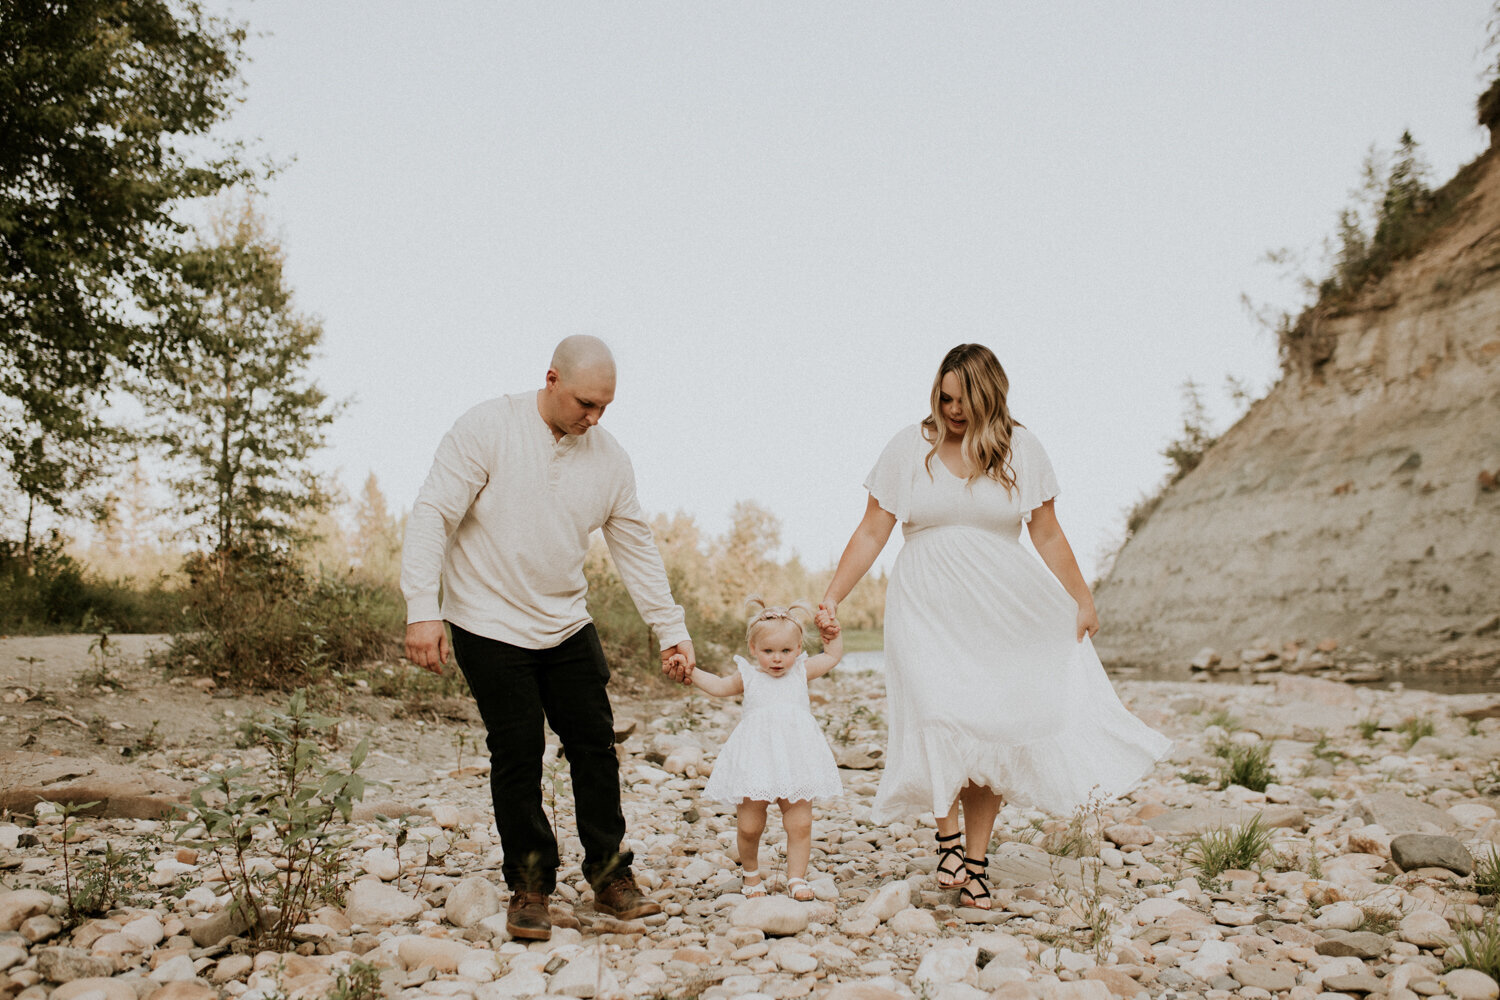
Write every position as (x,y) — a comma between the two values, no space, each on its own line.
(889,899)
(94,988)
(184,990)
(1416,850)
(1470,984)
(63,965)
(776,916)
(582,977)
(381,862)
(19,904)
(1355,944)
(948,965)
(862,991)
(178,968)
(372,903)
(1399,813)
(471,901)
(1273,977)
(1425,929)
(442,955)
(915,921)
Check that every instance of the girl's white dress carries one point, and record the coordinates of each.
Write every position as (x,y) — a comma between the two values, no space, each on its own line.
(778,751)
(985,681)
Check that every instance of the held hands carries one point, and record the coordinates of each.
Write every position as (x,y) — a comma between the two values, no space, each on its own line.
(678,661)
(827,619)
(1088,621)
(828,623)
(427,645)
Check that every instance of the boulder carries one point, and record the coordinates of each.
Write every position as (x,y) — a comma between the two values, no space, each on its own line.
(372,903)
(1417,850)
(1399,813)
(774,916)
(471,901)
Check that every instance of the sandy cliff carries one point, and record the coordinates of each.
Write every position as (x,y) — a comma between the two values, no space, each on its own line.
(1354,502)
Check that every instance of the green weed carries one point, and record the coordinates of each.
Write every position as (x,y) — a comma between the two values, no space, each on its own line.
(1414,728)
(1476,945)
(1369,728)
(1224,720)
(1487,874)
(1247,766)
(1218,851)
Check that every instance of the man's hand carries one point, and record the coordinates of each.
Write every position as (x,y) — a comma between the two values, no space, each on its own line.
(827,617)
(678,661)
(828,630)
(427,645)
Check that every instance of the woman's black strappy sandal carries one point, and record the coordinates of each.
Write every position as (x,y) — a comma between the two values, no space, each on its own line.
(976,892)
(955,853)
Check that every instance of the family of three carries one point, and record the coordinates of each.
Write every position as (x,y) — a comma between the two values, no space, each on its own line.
(994,692)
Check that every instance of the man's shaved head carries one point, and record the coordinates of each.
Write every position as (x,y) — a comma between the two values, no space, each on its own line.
(581,356)
(580,384)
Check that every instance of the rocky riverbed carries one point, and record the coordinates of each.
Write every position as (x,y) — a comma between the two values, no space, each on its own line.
(1380,805)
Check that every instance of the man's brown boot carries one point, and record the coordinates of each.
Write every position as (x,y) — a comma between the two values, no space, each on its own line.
(622,900)
(527,917)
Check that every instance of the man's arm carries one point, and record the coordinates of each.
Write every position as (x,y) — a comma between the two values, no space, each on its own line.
(636,556)
(456,477)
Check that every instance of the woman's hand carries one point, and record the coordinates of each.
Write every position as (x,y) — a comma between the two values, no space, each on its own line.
(827,618)
(1088,621)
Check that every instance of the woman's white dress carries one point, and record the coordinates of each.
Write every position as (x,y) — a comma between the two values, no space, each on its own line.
(985,681)
(778,750)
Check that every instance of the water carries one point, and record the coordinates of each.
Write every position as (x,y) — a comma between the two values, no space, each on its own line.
(1438,681)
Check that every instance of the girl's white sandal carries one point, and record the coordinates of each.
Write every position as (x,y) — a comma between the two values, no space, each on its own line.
(751,891)
(799,890)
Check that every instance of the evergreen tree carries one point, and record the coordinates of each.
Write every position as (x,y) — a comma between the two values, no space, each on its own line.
(236,409)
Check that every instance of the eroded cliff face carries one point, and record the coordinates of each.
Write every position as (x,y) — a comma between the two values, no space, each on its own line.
(1356,501)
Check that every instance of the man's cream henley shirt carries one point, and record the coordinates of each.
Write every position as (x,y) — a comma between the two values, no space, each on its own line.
(504,518)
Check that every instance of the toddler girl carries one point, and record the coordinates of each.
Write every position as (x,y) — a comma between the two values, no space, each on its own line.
(777,753)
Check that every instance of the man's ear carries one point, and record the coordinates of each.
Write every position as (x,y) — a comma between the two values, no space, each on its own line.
(552,377)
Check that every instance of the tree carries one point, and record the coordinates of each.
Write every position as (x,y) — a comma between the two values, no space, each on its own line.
(377,535)
(235,408)
(103,106)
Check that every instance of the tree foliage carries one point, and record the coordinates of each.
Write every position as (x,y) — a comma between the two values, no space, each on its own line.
(104,106)
(233,403)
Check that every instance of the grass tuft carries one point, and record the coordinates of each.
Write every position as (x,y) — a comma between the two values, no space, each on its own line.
(1218,851)
(1476,946)
(1247,766)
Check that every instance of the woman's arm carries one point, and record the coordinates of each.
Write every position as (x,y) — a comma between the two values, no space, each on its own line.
(833,652)
(1052,545)
(859,555)
(719,687)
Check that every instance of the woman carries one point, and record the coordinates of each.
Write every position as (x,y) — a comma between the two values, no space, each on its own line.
(993,687)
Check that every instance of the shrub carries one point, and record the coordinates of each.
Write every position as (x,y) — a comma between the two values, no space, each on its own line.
(257,619)
(301,810)
(52,592)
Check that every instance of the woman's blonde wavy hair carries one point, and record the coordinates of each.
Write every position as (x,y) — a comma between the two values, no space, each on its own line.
(986,446)
(761,615)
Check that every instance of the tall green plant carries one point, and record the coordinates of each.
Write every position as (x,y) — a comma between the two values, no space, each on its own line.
(299,812)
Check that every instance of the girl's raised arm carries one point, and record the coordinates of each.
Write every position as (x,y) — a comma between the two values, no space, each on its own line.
(719,687)
(833,652)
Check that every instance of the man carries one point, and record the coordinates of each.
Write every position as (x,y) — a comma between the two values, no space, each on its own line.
(503,521)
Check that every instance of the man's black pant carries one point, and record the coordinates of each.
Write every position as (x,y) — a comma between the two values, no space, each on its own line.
(516,689)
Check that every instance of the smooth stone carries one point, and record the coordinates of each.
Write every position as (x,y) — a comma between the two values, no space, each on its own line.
(1417,850)
(774,915)
(1355,982)
(1342,916)
(232,967)
(441,954)
(889,899)
(1425,929)
(372,903)
(146,931)
(862,991)
(1470,984)
(381,862)
(582,977)
(948,965)
(94,988)
(1399,813)
(184,990)
(63,965)
(1274,977)
(471,901)
(175,969)
(913,920)
(19,904)
(1356,944)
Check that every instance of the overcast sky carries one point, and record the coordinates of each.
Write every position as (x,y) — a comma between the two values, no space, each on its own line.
(781,215)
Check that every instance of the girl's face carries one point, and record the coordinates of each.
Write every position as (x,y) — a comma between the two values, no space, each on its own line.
(776,647)
(951,404)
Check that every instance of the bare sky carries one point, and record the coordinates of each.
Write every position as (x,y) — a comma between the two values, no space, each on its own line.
(781,215)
